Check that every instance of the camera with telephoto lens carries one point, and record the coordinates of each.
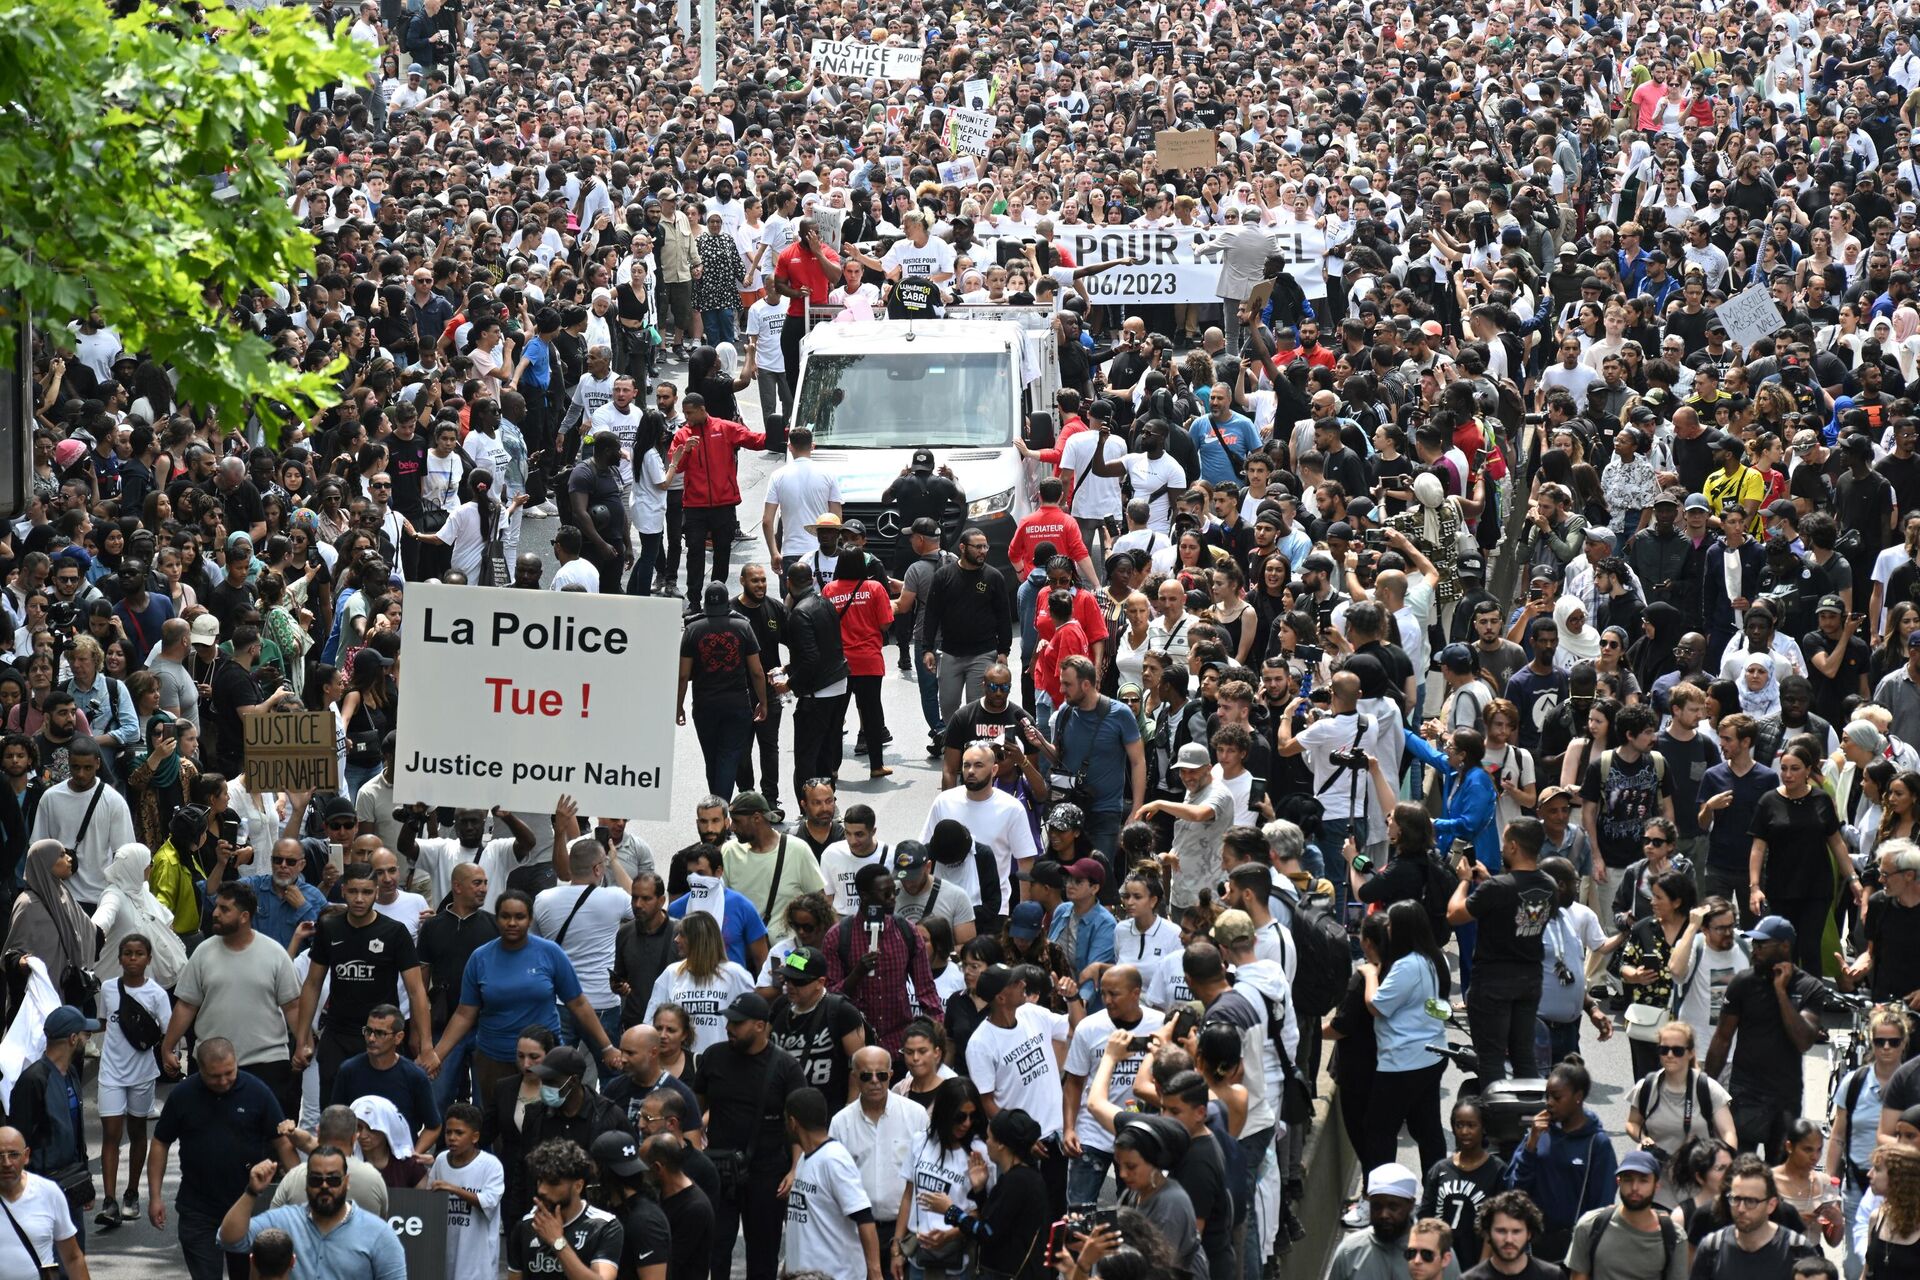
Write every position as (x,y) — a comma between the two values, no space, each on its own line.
(1349,758)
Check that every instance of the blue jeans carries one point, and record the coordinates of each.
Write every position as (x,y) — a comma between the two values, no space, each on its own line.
(929,692)
(1086,1175)
(609,1023)
(1333,839)
(1043,714)
(1553,1041)
(355,777)
(725,735)
(1253,1150)
(455,1081)
(640,581)
(718,326)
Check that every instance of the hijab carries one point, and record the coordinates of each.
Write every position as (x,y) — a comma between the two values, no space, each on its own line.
(1766,702)
(49,922)
(1651,657)
(142,913)
(1580,646)
(1430,494)
(166,774)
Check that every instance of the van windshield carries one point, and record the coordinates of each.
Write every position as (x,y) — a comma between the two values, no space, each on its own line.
(904,400)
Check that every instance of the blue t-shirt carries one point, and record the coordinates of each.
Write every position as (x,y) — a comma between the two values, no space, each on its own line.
(516,989)
(1238,431)
(539,362)
(1536,697)
(741,928)
(1729,844)
(1100,735)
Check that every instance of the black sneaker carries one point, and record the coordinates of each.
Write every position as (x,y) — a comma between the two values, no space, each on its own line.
(936,746)
(1296,1230)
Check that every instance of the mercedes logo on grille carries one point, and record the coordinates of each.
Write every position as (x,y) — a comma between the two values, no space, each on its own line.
(888,524)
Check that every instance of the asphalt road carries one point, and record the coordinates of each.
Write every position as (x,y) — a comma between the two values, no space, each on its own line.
(138,1252)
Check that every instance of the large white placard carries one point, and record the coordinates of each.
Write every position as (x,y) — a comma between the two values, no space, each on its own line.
(1749,315)
(516,698)
(1166,269)
(850,61)
(971,132)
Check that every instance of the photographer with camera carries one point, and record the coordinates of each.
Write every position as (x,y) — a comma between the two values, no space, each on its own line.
(872,955)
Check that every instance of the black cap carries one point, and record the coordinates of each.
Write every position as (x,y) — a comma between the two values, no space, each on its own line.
(992,981)
(923,459)
(803,964)
(926,527)
(615,1152)
(1047,872)
(562,1063)
(909,856)
(746,1007)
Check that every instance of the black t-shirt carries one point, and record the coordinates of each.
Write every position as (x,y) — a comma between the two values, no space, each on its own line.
(720,648)
(234,688)
(221,1136)
(1535,1270)
(1454,1196)
(647,1237)
(741,1097)
(690,1220)
(814,1039)
(834,832)
(603,490)
(1796,832)
(1512,910)
(1687,765)
(596,1236)
(1904,475)
(913,298)
(1703,1221)
(1203,1176)
(243,506)
(406,464)
(227,602)
(446,943)
(974,721)
(1830,693)
(1765,1061)
(1894,933)
(1720,1258)
(365,965)
(1628,793)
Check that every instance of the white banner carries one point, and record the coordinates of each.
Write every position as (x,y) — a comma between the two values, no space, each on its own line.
(516,698)
(1164,271)
(851,61)
(970,132)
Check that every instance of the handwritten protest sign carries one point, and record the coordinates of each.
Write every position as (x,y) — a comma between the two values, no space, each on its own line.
(850,61)
(970,132)
(1749,315)
(291,751)
(1183,149)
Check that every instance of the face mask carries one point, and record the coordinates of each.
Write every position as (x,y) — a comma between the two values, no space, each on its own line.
(550,1096)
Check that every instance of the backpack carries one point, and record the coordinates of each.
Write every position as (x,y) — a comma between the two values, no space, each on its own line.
(1603,1218)
(1646,1096)
(1698,953)
(1659,768)
(1325,963)
(173,885)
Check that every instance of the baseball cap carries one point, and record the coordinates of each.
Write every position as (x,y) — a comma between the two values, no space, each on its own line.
(1697,502)
(995,978)
(1047,872)
(1549,794)
(1639,1162)
(1088,869)
(562,1063)
(1829,604)
(615,1152)
(1025,922)
(1545,573)
(337,806)
(1318,562)
(746,1007)
(749,802)
(923,459)
(1457,658)
(1782,508)
(1194,754)
(909,856)
(206,629)
(66,1020)
(1232,926)
(1666,498)
(803,964)
(1774,928)
(853,528)
(1393,1180)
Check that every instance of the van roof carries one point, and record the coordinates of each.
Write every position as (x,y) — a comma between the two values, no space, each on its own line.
(932,336)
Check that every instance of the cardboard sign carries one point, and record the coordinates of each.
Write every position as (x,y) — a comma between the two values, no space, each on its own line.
(850,61)
(970,133)
(978,94)
(1749,315)
(291,751)
(1184,149)
(515,698)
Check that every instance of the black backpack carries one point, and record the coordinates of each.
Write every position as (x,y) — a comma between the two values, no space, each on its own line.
(1325,958)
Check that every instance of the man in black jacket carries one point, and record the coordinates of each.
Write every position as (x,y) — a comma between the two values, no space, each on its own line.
(768,618)
(817,676)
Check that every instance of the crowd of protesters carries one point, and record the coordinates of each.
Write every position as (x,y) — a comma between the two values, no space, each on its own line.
(1491,627)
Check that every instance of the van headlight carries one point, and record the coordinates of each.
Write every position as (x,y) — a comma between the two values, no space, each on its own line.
(994,505)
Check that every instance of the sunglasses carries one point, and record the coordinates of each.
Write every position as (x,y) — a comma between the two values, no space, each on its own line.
(1412,1252)
(326,1179)
(873,1076)
(1674,1051)
(1887,1042)
(1000,687)
(1660,841)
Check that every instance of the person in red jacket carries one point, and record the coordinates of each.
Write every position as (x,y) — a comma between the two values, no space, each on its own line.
(1068,638)
(1086,611)
(866,614)
(712,496)
(1049,522)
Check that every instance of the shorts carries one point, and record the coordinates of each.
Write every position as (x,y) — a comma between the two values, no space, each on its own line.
(677,299)
(134,1100)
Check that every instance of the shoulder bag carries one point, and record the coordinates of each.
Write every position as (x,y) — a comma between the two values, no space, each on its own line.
(46,1270)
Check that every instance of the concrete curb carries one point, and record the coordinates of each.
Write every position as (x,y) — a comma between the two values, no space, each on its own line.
(1330,1162)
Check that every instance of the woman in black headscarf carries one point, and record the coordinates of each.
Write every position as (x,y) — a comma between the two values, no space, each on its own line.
(1651,656)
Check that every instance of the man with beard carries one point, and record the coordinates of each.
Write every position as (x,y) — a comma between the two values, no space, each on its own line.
(821,1029)
(1630,1240)
(562,1222)
(994,716)
(224,1119)
(647,1245)
(1391,1192)
(286,899)
(230,991)
(1510,1223)
(967,622)
(1753,1244)
(743,1086)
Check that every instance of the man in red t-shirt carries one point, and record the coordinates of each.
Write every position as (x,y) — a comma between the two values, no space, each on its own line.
(866,613)
(1068,638)
(805,272)
(1049,522)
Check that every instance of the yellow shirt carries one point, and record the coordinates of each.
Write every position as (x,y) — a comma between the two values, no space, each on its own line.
(1725,489)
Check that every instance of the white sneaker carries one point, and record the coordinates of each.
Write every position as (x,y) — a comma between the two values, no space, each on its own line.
(545,511)
(1357,1217)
